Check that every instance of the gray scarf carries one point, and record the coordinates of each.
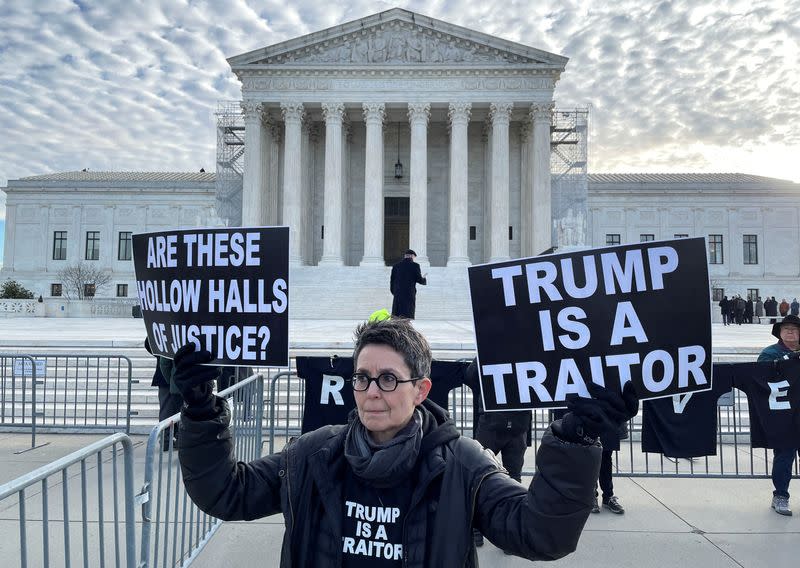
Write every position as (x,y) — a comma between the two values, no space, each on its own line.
(383,465)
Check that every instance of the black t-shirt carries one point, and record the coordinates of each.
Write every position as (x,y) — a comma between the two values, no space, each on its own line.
(372,523)
(773,401)
(685,425)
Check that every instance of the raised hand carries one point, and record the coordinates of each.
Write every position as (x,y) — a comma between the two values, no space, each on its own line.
(194,380)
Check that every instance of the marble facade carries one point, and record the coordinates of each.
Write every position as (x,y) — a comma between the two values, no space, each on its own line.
(466,114)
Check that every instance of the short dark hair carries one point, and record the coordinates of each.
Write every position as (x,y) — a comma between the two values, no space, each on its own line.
(400,335)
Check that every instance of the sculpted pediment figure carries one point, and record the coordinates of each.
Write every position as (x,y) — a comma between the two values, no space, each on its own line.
(397,37)
(397,44)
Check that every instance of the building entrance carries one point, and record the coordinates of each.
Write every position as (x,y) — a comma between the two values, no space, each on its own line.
(395,228)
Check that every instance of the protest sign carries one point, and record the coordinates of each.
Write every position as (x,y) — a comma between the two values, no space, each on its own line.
(547,326)
(225,290)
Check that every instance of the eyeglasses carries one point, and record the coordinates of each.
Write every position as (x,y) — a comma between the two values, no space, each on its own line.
(387,382)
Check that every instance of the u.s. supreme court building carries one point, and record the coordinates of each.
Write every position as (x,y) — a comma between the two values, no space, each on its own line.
(401,131)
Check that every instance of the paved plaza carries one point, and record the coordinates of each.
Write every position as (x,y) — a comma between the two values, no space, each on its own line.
(669,522)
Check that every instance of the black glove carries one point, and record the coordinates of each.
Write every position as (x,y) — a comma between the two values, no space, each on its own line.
(590,417)
(195,381)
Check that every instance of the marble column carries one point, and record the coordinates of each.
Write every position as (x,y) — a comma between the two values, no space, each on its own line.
(270,208)
(8,248)
(76,240)
(526,189)
(253,178)
(500,114)
(458,114)
(541,117)
(333,114)
(418,115)
(44,215)
(292,177)
(374,114)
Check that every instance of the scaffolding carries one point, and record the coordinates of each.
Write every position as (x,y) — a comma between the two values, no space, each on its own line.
(230,162)
(569,154)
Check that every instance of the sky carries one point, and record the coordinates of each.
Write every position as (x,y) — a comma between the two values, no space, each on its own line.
(674,86)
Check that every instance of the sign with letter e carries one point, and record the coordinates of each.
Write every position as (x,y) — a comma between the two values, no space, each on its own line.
(547,326)
(225,289)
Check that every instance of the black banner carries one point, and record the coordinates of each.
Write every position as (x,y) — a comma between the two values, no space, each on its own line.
(226,290)
(329,397)
(546,326)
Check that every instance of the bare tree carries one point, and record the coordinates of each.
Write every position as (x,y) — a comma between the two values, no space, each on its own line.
(82,280)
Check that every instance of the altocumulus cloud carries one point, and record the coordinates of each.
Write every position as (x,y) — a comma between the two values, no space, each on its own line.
(123,85)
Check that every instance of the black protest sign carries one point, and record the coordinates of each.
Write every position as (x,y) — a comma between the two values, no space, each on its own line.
(225,290)
(546,326)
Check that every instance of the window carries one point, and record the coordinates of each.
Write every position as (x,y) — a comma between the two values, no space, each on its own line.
(612,239)
(750,252)
(681,235)
(717,294)
(122,290)
(92,245)
(59,245)
(124,248)
(88,290)
(646,237)
(752,294)
(55,289)
(473,232)
(715,253)
(510,233)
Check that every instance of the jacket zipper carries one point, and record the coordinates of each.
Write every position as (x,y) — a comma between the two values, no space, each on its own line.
(428,481)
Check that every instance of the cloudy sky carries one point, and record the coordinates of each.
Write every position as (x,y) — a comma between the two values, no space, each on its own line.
(674,86)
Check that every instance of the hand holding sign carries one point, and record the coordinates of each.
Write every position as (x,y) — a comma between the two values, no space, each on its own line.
(603,412)
(195,379)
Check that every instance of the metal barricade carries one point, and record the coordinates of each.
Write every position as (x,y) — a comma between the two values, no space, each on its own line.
(39,490)
(174,530)
(89,393)
(18,396)
(734,458)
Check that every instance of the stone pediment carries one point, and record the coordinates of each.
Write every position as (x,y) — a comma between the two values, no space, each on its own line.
(397,37)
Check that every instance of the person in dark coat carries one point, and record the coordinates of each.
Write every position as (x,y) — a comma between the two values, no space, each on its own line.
(398,481)
(748,311)
(787,332)
(406,274)
(723,307)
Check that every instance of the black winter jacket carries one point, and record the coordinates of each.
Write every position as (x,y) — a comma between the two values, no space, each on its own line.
(459,486)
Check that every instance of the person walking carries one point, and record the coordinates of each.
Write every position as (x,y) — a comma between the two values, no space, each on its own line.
(787,332)
(406,274)
(748,311)
(398,485)
(759,309)
(795,307)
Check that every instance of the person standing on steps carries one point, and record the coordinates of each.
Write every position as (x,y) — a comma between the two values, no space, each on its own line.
(406,274)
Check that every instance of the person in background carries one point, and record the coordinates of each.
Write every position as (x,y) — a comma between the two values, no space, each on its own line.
(406,274)
(724,309)
(397,484)
(783,308)
(759,309)
(795,307)
(788,334)
(748,310)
